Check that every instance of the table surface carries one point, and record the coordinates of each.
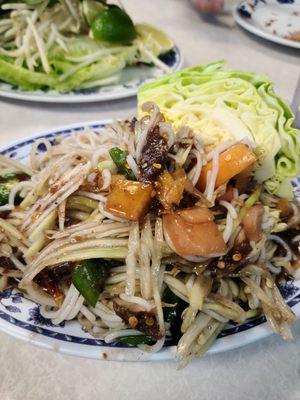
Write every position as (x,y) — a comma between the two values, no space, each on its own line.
(269,369)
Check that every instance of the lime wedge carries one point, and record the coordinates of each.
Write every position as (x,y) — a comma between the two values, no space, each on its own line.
(113,25)
(90,8)
(153,39)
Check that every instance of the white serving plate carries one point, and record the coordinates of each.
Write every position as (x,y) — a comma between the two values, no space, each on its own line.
(20,317)
(131,79)
(273,20)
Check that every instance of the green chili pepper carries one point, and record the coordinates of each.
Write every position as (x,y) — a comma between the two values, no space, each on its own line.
(172,315)
(135,340)
(119,158)
(89,278)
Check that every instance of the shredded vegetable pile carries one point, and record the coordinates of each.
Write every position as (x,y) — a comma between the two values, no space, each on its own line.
(222,105)
(147,236)
(49,44)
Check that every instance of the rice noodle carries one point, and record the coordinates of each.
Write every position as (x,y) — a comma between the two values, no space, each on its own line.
(211,179)
(131,259)
(137,300)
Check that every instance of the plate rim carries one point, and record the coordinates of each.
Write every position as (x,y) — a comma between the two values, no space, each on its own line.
(230,342)
(82,98)
(258,31)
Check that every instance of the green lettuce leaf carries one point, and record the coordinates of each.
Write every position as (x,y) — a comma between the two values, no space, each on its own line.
(19,76)
(222,104)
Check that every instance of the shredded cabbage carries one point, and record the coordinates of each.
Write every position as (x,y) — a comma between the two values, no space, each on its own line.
(222,104)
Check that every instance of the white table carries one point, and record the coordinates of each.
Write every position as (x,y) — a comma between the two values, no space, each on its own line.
(266,370)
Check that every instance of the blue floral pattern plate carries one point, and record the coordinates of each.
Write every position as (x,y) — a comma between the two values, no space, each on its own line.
(274,20)
(21,317)
(130,80)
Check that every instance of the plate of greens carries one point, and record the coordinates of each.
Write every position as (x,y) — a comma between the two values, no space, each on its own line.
(78,51)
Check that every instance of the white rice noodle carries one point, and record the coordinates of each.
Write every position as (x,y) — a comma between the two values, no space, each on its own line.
(61,215)
(234,235)
(154,348)
(229,208)
(124,332)
(211,180)
(107,316)
(106,176)
(215,315)
(191,334)
(77,308)
(17,263)
(35,293)
(117,278)
(94,196)
(10,162)
(194,174)
(165,128)
(67,308)
(137,300)
(176,284)
(16,189)
(133,165)
(145,252)
(235,193)
(131,259)
(88,314)
(229,227)
(156,273)
(109,215)
(289,253)
(34,161)
(189,283)
(7,207)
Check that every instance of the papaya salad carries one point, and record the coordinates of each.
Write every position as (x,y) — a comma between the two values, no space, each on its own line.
(74,44)
(150,235)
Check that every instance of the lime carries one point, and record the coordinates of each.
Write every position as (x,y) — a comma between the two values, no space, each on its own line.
(153,39)
(90,8)
(113,25)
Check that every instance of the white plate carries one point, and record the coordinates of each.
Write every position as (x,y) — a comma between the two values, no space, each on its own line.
(21,318)
(273,20)
(131,79)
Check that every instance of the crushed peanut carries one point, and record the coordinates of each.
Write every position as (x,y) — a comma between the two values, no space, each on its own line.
(221,264)
(157,165)
(269,283)
(133,321)
(149,321)
(237,257)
